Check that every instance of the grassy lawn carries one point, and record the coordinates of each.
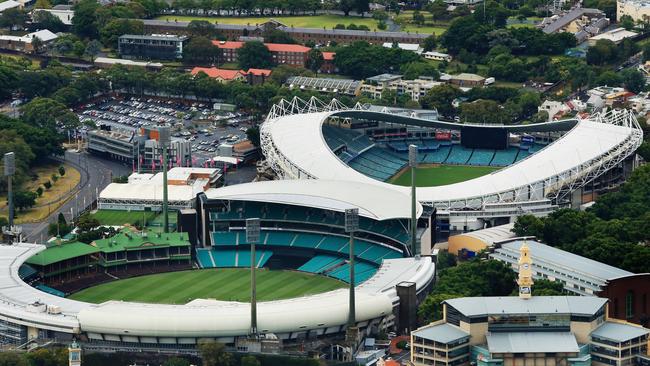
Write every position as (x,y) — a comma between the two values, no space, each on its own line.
(118,217)
(317,21)
(426,29)
(221,284)
(440,175)
(54,197)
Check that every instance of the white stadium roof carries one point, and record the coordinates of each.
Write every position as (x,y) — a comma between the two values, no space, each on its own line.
(376,202)
(201,317)
(297,148)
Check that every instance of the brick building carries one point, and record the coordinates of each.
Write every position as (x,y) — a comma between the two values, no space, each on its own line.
(283,54)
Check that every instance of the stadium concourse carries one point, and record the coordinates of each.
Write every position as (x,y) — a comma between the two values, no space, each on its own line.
(538,167)
(302,230)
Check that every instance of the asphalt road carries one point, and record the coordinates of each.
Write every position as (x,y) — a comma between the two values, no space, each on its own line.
(96,174)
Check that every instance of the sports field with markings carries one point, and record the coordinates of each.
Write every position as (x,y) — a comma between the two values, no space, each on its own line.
(228,284)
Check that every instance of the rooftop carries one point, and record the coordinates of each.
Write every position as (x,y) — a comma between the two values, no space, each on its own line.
(214,72)
(121,61)
(492,234)
(619,332)
(134,240)
(577,264)
(9,4)
(382,78)
(615,35)
(259,72)
(481,306)
(59,252)
(157,37)
(441,333)
(533,342)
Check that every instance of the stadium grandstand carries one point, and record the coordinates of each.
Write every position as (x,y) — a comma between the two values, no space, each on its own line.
(475,176)
(302,231)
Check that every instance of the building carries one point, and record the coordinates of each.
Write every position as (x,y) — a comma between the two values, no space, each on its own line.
(106,62)
(528,330)
(638,10)
(155,46)
(9,4)
(283,54)
(376,85)
(328,66)
(26,43)
(139,148)
(63,12)
(437,56)
(467,245)
(257,76)
(464,80)
(412,47)
(554,109)
(144,191)
(302,35)
(221,75)
(575,20)
(325,85)
(617,36)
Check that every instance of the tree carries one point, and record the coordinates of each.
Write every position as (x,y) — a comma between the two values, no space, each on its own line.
(380,15)
(248,360)
(46,20)
(254,55)
(54,178)
(608,78)
(528,225)
(429,43)
(440,97)
(47,113)
(361,59)
(86,223)
(314,59)
(12,359)
(92,49)
(626,22)
(110,33)
(84,21)
(418,18)
(61,170)
(214,354)
(202,28)
(413,70)
(547,288)
(200,50)
(11,141)
(603,52)
(633,80)
(13,18)
(24,199)
(481,111)
(39,191)
(278,36)
(646,52)
(431,308)
(438,10)
(42,4)
(47,184)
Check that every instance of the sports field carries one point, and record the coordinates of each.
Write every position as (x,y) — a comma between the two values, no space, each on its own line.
(117,217)
(316,21)
(229,284)
(440,175)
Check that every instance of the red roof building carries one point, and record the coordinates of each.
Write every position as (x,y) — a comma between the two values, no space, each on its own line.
(287,54)
(222,75)
(328,63)
(257,76)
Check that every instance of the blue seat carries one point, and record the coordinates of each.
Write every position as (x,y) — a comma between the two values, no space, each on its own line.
(224,238)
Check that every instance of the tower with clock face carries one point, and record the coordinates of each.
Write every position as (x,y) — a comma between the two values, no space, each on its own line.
(525,280)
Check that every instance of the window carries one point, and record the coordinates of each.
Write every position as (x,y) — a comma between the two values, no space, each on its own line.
(629,304)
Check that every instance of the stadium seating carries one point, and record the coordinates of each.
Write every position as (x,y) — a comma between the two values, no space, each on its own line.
(320,263)
(481,157)
(224,238)
(50,290)
(504,157)
(337,138)
(438,156)
(458,155)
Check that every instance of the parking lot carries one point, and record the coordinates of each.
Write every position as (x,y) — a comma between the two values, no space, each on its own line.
(193,121)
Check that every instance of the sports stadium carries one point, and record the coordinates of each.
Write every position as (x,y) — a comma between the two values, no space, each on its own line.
(473,175)
(143,288)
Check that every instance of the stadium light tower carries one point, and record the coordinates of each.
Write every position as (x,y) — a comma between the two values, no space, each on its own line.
(253,237)
(351,226)
(164,139)
(413,162)
(10,170)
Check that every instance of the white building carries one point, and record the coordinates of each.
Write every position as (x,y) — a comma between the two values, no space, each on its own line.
(617,36)
(64,15)
(639,10)
(9,4)
(413,47)
(437,56)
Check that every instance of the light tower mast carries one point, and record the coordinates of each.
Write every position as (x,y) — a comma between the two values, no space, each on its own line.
(413,162)
(253,237)
(164,140)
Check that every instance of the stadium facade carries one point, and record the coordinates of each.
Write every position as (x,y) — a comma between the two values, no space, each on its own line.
(539,167)
(302,230)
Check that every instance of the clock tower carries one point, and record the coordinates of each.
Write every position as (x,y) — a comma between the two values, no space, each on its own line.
(525,280)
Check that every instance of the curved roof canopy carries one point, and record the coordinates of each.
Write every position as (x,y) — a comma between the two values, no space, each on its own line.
(375,202)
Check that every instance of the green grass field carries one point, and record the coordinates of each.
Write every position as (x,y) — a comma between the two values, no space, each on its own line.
(117,218)
(316,21)
(222,284)
(440,175)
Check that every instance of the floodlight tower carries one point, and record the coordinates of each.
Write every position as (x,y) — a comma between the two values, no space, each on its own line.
(413,162)
(10,170)
(351,226)
(164,139)
(253,237)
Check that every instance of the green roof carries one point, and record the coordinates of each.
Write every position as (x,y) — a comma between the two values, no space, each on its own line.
(135,241)
(61,252)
